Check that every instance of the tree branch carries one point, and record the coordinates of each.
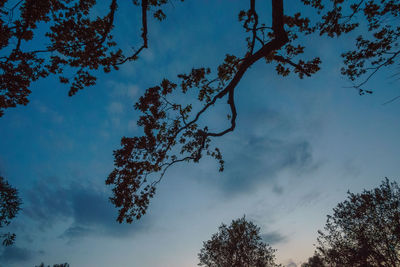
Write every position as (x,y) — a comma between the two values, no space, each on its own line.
(297,66)
(135,55)
(144,22)
(152,153)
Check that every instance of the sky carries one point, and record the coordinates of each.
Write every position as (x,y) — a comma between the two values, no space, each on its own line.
(298,147)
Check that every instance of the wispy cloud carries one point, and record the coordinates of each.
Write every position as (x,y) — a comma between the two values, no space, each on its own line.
(273,238)
(120,115)
(263,159)
(123,90)
(50,202)
(14,254)
(115,108)
(291,264)
(46,111)
(263,146)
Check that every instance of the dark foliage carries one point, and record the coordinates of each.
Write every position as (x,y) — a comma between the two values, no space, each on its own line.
(9,206)
(315,261)
(376,48)
(172,130)
(238,245)
(76,41)
(55,265)
(80,43)
(363,231)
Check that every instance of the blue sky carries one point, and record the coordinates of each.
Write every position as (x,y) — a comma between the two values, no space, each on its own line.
(298,147)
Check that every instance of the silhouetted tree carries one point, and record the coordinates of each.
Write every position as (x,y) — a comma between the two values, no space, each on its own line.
(377,47)
(79,42)
(364,230)
(177,132)
(55,265)
(238,245)
(74,40)
(9,206)
(315,261)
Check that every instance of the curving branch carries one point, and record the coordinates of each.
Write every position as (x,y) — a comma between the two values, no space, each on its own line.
(144,22)
(134,56)
(170,135)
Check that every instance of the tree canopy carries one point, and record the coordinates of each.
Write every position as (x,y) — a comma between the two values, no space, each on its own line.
(237,245)
(79,42)
(173,132)
(314,261)
(9,206)
(364,230)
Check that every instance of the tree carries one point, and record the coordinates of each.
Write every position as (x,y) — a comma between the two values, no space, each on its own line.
(9,206)
(238,245)
(73,42)
(172,130)
(364,230)
(377,47)
(314,261)
(55,265)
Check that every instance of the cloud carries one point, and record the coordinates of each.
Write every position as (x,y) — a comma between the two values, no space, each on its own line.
(291,264)
(13,254)
(132,125)
(88,208)
(310,197)
(277,189)
(119,109)
(261,159)
(47,202)
(75,232)
(46,111)
(264,145)
(123,90)
(273,238)
(115,108)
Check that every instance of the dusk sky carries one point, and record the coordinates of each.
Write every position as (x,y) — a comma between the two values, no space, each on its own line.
(298,147)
